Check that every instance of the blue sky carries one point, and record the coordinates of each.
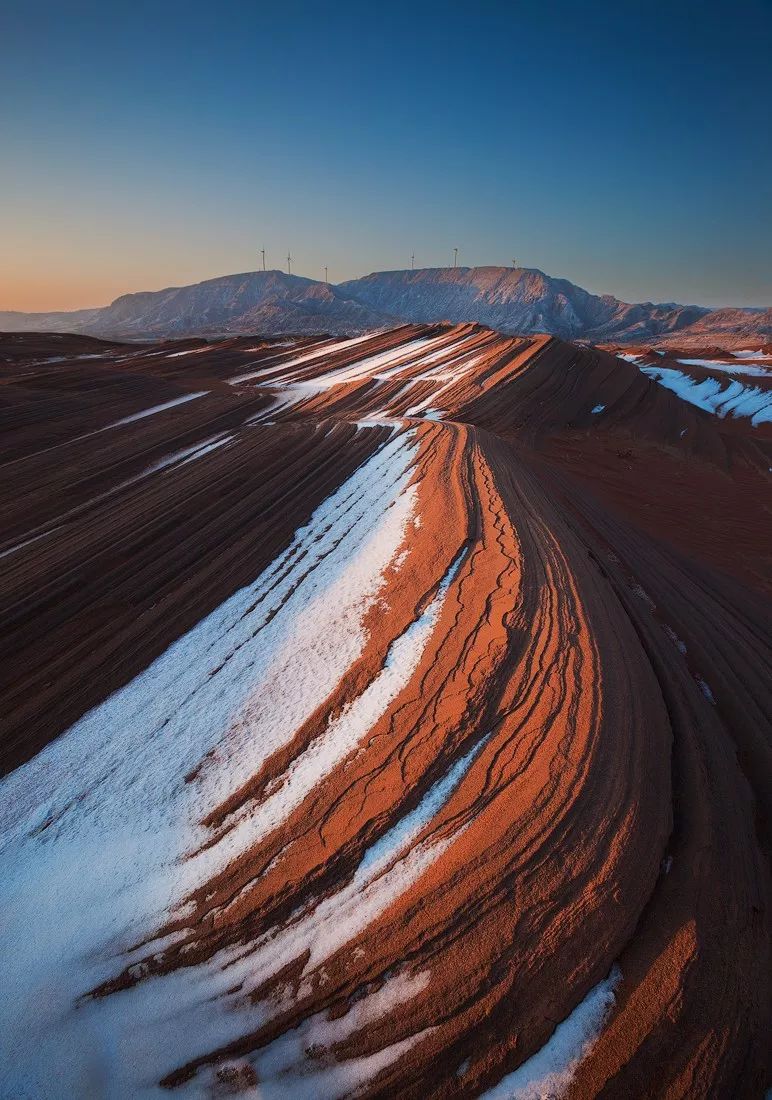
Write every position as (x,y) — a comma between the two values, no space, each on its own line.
(626,146)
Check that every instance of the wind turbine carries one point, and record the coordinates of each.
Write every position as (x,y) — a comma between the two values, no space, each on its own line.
(455,256)
(262,250)
(289,264)
(325,273)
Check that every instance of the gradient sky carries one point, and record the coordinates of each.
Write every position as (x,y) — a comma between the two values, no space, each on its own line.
(626,146)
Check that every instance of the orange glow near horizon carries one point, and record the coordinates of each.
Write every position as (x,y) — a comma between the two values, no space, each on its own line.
(33,291)
(50,295)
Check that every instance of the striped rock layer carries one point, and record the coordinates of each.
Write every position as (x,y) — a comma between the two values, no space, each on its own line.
(385,716)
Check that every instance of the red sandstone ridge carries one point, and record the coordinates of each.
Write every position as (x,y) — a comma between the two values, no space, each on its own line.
(385,716)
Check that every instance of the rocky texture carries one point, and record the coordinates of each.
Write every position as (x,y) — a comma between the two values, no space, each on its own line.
(512,300)
(442,690)
(256,301)
(525,300)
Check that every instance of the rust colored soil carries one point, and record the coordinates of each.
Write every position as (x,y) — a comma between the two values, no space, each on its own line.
(543,769)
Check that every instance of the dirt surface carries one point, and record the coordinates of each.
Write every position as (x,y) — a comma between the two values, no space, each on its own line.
(545,765)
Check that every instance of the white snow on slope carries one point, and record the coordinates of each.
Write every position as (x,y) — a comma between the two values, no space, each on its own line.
(728,367)
(387,869)
(25,542)
(328,349)
(207,1012)
(189,351)
(425,405)
(285,1068)
(379,420)
(749,354)
(552,1069)
(149,412)
(316,351)
(451,371)
(94,829)
(373,365)
(383,365)
(735,399)
(285,397)
(187,454)
(447,368)
(341,737)
(177,458)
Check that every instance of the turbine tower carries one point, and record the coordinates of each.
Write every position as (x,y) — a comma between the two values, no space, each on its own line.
(289,264)
(262,250)
(325,274)
(455,257)
(412,262)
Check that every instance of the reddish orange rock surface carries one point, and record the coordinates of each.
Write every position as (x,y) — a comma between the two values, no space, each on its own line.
(545,760)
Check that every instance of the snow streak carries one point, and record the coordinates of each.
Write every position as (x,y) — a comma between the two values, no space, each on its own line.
(101,834)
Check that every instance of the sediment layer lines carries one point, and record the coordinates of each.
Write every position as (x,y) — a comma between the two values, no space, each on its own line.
(368,736)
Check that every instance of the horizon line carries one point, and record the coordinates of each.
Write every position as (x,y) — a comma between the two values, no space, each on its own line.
(376,271)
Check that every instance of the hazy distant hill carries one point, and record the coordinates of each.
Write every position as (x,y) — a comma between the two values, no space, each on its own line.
(508,299)
(258,301)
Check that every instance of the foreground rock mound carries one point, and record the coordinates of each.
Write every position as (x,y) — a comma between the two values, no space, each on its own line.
(384,716)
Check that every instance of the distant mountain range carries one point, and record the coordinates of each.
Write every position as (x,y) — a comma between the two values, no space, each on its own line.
(507,299)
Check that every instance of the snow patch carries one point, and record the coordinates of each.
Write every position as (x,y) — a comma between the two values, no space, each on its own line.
(710,395)
(189,351)
(151,412)
(732,367)
(187,454)
(705,689)
(748,354)
(549,1072)
(301,1064)
(315,352)
(677,642)
(100,834)
(340,738)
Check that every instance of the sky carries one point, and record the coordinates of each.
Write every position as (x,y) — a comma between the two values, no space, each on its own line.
(625,146)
